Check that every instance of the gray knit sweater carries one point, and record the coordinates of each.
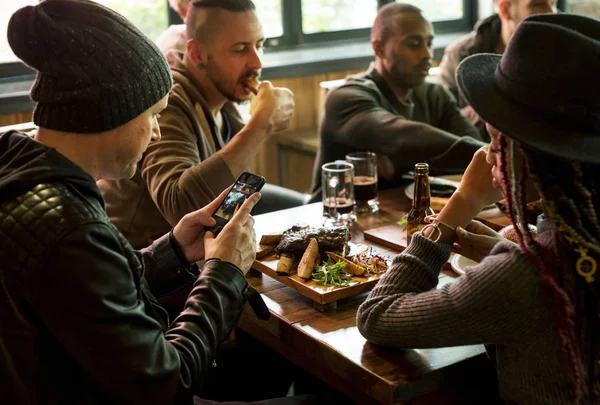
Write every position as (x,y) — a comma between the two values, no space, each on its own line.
(498,302)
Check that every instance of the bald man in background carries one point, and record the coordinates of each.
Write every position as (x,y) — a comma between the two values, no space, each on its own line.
(174,37)
(489,36)
(205,144)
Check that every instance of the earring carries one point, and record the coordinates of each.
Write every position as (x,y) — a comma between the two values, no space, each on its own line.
(200,66)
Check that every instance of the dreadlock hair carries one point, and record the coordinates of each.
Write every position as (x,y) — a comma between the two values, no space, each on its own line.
(570,196)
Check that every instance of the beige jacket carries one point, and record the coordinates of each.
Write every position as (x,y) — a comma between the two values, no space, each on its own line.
(178,174)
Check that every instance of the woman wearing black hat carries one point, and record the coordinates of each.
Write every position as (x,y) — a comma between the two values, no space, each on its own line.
(536,301)
(79,321)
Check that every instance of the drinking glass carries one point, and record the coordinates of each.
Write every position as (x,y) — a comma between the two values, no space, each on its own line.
(338,193)
(365,181)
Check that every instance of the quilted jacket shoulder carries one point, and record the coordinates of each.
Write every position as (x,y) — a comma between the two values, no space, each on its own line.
(32,223)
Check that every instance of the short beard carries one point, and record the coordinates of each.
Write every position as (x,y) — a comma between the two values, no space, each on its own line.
(219,82)
(404,80)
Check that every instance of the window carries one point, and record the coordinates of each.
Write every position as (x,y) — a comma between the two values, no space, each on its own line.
(148,15)
(590,8)
(7,8)
(286,23)
(438,10)
(270,13)
(337,15)
(295,22)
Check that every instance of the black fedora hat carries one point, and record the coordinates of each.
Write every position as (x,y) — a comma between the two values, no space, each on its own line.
(544,91)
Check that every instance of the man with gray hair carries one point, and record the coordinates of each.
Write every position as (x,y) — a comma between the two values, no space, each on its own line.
(174,37)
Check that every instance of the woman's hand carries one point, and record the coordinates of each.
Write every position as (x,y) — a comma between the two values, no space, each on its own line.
(475,191)
(476,240)
(476,184)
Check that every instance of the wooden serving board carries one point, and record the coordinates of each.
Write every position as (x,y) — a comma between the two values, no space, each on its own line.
(323,297)
(392,236)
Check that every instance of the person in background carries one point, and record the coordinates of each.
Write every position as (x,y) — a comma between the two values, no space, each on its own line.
(205,144)
(80,319)
(391,110)
(174,37)
(535,302)
(489,36)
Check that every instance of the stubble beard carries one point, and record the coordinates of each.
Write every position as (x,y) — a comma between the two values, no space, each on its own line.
(220,83)
(402,78)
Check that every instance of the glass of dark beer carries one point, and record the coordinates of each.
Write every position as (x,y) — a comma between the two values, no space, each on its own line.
(365,181)
(337,183)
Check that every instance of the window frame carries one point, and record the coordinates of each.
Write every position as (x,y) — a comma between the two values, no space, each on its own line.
(293,37)
(13,71)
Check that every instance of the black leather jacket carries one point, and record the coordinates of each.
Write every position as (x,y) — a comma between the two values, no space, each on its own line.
(78,323)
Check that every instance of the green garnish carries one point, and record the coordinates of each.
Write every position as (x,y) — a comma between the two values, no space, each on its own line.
(402,221)
(332,273)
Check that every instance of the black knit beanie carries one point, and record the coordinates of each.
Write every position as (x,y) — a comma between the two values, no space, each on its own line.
(95,70)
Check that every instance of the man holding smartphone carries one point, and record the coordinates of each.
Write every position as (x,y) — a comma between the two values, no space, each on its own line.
(80,320)
(205,144)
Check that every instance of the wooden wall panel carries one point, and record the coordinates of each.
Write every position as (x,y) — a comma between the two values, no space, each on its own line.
(306,121)
(12,119)
(308,99)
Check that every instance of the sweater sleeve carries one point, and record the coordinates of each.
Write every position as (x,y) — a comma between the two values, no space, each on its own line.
(489,304)
(178,179)
(354,117)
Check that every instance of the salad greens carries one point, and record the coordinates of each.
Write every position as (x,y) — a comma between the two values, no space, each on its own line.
(332,273)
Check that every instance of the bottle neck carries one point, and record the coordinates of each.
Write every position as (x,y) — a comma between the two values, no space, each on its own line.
(422,195)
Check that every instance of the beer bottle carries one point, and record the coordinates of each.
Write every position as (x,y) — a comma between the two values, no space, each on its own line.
(421,203)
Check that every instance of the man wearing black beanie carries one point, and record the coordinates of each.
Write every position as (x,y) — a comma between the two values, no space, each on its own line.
(80,321)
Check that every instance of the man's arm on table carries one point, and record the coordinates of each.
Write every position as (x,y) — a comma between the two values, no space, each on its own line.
(454,120)
(355,118)
(450,62)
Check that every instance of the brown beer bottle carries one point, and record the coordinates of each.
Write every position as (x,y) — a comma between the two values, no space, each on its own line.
(421,203)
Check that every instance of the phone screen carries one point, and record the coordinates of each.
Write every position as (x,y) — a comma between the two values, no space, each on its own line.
(244,187)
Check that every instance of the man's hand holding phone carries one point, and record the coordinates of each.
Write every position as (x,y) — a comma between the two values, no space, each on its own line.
(236,243)
(189,231)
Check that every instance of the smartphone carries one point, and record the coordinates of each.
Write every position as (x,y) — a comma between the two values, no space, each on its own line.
(246,185)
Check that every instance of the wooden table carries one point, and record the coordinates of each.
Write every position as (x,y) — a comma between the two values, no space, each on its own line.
(328,344)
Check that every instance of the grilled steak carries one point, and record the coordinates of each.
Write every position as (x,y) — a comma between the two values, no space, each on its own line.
(296,239)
